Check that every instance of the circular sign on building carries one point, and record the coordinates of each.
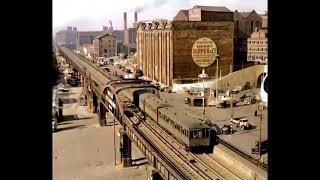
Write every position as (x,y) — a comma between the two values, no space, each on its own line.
(204,52)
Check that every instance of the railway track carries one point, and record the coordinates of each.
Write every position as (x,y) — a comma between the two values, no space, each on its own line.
(186,164)
(195,162)
(223,171)
(165,155)
(244,155)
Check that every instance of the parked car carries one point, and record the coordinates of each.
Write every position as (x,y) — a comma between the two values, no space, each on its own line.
(54,119)
(226,129)
(264,147)
(166,89)
(187,101)
(246,102)
(236,89)
(241,122)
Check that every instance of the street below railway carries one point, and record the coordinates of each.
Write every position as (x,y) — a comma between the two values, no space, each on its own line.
(83,150)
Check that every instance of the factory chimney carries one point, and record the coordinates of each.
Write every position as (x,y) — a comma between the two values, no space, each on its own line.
(135,17)
(125,20)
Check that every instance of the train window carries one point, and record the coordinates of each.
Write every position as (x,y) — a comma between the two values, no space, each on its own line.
(207,133)
(199,134)
(204,133)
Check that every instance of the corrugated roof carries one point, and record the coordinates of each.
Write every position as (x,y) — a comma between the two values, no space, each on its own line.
(213,8)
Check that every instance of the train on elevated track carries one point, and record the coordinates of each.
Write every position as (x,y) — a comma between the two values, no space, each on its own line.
(141,96)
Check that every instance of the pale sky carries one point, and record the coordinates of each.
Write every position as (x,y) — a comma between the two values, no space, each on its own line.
(91,15)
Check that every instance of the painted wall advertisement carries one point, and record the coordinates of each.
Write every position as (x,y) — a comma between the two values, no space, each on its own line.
(204,52)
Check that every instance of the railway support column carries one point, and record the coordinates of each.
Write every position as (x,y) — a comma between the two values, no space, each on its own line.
(125,150)
(152,173)
(90,102)
(102,114)
(81,80)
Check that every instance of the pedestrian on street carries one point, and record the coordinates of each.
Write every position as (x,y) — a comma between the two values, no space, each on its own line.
(256,113)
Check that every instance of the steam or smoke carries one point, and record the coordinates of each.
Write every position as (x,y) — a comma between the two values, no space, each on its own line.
(153,4)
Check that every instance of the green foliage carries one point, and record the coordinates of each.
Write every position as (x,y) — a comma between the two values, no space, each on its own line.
(54,70)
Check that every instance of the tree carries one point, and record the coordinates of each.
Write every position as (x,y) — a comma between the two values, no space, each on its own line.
(54,70)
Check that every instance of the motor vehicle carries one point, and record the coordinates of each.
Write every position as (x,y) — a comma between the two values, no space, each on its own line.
(241,122)
(106,69)
(187,101)
(166,89)
(246,102)
(226,129)
(264,147)
(54,120)
(236,89)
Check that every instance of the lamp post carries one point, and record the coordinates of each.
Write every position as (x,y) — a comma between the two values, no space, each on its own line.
(203,75)
(217,74)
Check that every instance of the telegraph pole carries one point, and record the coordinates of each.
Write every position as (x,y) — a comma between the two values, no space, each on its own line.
(114,141)
(260,133)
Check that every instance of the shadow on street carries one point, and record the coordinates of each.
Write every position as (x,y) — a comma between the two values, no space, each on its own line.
(70,127)
(72,118)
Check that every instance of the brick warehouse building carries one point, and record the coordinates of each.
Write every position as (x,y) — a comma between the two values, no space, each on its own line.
(164,48)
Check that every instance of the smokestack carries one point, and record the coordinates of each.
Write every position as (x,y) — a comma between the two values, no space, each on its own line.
(125,20)
(135,17)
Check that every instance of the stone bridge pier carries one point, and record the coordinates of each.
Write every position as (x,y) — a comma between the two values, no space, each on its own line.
(125,149)
(152,173)
(102,113)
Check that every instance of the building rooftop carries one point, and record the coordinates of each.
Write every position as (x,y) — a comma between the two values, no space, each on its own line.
(185,12)
(213,8)
(245,14)
(103,35)
(90,33)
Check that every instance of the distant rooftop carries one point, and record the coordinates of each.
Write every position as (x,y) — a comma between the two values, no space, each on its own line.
(213,8)
(185,12)
(90,33)
(245,14)
(105,34)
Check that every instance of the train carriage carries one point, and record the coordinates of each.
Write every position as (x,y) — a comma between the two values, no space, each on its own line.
(150,105)
(187,129)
